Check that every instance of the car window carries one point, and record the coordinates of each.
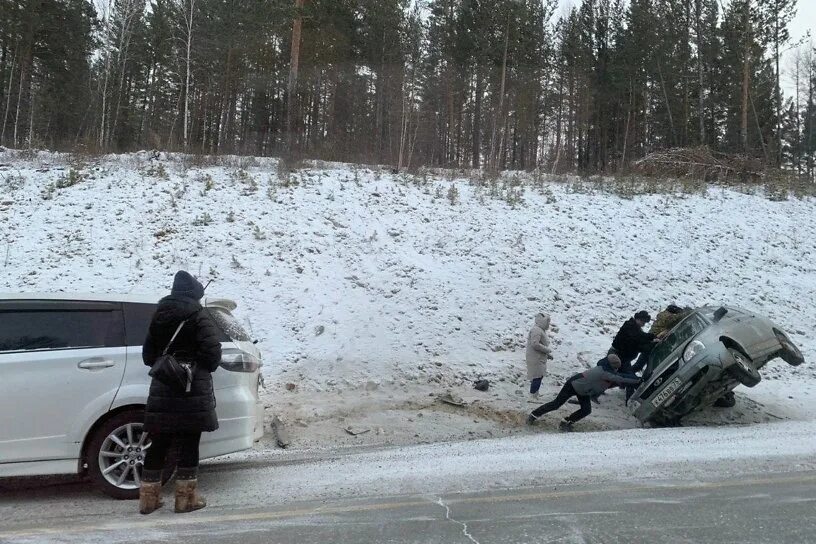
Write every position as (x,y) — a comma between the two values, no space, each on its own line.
(60,329)
(229,326)
(137,321)
(680,335)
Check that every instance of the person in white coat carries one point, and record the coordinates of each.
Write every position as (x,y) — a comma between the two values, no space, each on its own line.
(538,352)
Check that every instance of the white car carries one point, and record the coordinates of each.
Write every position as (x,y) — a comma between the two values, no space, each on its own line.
(73,387)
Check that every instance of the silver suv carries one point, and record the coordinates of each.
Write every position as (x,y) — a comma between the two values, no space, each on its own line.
(73,387)
(704,357)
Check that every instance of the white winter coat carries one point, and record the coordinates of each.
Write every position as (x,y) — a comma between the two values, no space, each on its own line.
(538,347)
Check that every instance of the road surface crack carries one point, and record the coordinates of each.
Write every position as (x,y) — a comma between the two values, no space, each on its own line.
(448,517)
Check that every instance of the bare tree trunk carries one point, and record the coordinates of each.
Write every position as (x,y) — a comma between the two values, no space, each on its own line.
(809,128)
(189,23)
(413,144)
(291,89)
(778,92)
(205,123)
(8,98)
(405,125)
(30,136)
(498,113)
(106,18)
(759,131)
(701,96)
(559,122)
(746,78)
(668,104)
(124,44)
(477,119)
(797,151)
(23,73)
(628,123)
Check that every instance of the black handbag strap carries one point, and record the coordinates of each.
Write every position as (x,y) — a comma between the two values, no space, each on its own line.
(178,330)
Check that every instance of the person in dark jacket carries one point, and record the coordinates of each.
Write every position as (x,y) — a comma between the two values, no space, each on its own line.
(173,416)
(632,340)
(661,326)
(584,385)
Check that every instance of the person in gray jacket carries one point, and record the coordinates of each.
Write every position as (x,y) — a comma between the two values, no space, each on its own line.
(538,351)
(584,385)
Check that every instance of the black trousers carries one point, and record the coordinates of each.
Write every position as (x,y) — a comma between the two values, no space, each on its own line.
(161,443)
(566,393)
(643,359)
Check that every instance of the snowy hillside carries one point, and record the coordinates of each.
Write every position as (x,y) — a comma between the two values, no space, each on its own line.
(352,276)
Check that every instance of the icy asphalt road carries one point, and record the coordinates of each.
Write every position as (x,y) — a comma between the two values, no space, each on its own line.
(773,508)
(718,485)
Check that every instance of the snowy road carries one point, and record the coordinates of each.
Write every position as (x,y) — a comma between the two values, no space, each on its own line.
(770,508)
(740,484)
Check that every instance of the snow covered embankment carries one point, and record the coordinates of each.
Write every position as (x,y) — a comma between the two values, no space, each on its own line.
(398,286)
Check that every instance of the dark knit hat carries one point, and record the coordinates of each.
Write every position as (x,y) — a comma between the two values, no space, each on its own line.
(185,285)
(643,315)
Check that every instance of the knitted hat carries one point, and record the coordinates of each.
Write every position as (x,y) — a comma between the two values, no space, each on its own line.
(614,360)
(185,285)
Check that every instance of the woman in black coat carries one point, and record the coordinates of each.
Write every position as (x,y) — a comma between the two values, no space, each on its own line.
(172,416)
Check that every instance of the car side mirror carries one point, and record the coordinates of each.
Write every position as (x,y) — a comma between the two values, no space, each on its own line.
(720,313)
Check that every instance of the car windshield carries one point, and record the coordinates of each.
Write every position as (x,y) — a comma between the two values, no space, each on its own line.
(233,331)
(680,335)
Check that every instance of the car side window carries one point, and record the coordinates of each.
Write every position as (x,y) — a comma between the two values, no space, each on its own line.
(28,330)
(137,321)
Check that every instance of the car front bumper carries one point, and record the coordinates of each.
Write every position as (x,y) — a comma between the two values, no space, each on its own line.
(677,393)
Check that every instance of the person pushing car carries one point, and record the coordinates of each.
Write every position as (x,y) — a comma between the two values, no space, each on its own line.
(584,386)
(631,340)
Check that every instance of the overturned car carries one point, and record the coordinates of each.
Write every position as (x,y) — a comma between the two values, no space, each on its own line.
(703,358)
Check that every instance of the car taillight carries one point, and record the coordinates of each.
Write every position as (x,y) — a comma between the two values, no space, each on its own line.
(240,362)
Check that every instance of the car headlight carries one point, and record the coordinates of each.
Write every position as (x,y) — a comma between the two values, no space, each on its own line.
(694,349)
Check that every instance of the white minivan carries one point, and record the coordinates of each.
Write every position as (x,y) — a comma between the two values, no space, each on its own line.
(73,387)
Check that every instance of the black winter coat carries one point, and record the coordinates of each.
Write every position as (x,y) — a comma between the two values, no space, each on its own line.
(169,411)
(631,340)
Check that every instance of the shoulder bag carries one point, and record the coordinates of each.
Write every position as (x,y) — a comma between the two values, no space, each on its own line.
(169,371)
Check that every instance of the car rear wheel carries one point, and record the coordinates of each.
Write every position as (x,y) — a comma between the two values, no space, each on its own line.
(742,370)
(789,352)
(116,454)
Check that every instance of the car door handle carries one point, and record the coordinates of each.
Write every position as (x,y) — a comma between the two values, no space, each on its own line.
(96,364)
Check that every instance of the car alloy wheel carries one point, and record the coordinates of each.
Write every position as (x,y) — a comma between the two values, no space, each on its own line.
(742,370)
(122,455)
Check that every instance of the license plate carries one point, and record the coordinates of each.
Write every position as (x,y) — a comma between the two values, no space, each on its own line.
(667,392)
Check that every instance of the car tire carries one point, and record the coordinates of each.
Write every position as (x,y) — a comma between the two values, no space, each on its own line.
(728,400)
(105,449)
(742,370)
(789,352)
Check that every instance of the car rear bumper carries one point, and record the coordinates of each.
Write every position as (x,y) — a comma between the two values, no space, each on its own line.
(259,421)
(240,423)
